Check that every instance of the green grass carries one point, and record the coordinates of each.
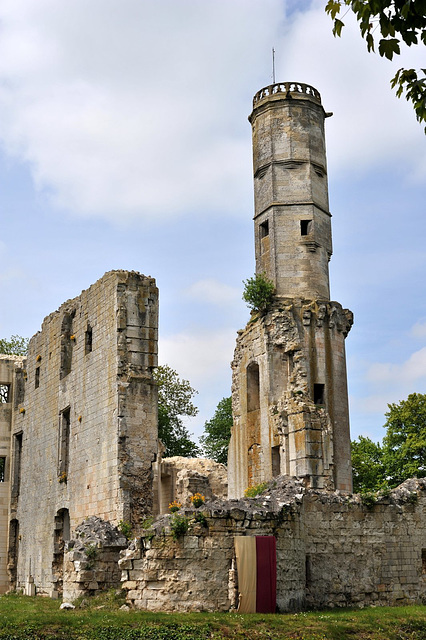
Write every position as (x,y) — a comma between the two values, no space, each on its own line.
(100,619)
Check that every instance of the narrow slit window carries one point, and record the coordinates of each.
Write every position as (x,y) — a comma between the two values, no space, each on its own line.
(2,469)
(88,340)
(264,229)
(319,394)
(305,227)
(4,393)
(37,378)
(64,443)
(17,451)
(423,561)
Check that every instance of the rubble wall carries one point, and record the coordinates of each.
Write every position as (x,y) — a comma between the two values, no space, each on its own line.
(332,550)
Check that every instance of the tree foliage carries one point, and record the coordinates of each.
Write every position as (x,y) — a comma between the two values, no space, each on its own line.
(404,446)
(258,292)
(175,402)
(389,22)
(217,432)
(367,465)
(16,346)
(403,452)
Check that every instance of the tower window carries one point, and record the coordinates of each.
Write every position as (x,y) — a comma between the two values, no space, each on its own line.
(37,378)
(4,392)
(88,340)
(2,468)
(305,227)
(264,229)
(319,396)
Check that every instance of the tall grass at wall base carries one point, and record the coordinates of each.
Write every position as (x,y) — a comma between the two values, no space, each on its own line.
(23,618)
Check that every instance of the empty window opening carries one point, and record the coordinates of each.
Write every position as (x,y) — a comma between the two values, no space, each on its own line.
(61,535)
(88,340)
(2,469)
(305,227)
(64,444)
(253,396)
(264,229)
(276,461)
(37,378)
(308,571)
(319,395)
(423,561)
(12,556)
(67,343)
(4,393)
(17,456)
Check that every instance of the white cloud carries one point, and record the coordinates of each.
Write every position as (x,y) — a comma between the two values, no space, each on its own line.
(370,126)
(419,330)
(133,108)
(199,356)
(214,292)
(136,109)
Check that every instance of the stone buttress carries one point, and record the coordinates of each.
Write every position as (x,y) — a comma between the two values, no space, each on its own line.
(289,392)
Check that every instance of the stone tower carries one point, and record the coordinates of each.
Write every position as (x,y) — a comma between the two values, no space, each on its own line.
(290,400)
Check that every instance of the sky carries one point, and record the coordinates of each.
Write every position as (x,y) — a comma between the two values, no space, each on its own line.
(124,144)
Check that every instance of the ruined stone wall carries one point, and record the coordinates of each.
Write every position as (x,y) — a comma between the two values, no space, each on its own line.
(85,433)
(366,554)
(289,397)
(196,571)
(8,364)
(179,478)
(91,559)
(332,550)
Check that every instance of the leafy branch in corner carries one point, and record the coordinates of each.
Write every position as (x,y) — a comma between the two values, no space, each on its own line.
(395,21)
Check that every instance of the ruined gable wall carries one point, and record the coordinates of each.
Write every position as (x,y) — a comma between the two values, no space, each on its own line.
(100,399)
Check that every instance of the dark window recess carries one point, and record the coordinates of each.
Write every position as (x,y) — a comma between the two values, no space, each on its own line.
(2,468)
(319,396)
(253,396)
(424,561)
(37,378)
(64,443)
(4,392)
(264,229)
(17,455)
(308,571)
(305,227)
(88,340)
(276,461)
(67,343)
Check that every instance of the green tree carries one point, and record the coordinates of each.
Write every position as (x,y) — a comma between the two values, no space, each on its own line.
(404,445)
(390,22)
(16,345)
(258,292)
(174,402)
(217,432)
(367,465)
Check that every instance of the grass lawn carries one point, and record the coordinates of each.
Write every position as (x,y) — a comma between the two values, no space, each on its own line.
(101,619)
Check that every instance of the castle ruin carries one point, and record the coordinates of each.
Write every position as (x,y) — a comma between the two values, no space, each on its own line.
(79,449)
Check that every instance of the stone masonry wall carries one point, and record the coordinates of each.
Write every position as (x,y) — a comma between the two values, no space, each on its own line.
(366,554)
(91,559)
(7,376)
(85,431)
(196,571)
(332,550)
